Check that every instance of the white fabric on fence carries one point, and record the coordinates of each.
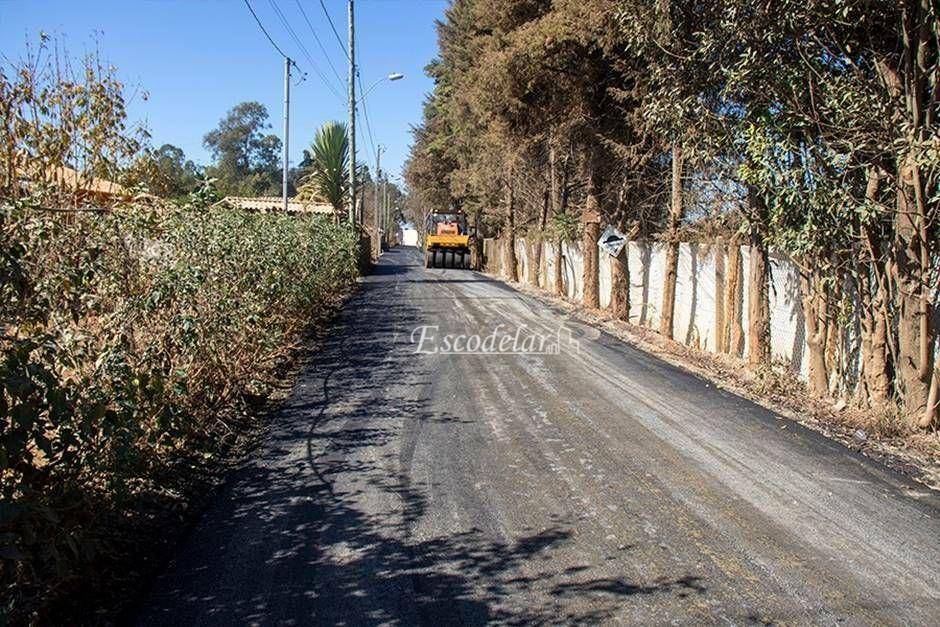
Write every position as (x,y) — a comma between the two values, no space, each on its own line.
(695,312)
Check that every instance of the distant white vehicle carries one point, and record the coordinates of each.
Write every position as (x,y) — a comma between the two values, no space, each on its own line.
(409,235)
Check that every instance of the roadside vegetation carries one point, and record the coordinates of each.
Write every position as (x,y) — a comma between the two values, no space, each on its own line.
(137,335)
(808,127)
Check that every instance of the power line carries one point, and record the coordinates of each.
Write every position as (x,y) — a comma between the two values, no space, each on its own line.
(261,26)
(319,43)
(369,151)
(365,111)
(303,49)
(339,39)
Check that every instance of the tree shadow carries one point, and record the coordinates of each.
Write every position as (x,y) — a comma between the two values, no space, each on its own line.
(322,525)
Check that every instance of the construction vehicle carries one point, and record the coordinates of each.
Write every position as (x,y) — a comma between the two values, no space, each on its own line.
(447,240)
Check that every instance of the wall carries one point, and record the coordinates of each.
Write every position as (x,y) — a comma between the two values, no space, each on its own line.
(698,293)
(695,319)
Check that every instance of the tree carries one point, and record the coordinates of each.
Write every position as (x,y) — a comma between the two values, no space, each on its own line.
(807,125)
(328,173)
(246,159)
(165,172)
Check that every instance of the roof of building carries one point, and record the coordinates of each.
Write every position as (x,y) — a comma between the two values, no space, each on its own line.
(71,178)
(276,203)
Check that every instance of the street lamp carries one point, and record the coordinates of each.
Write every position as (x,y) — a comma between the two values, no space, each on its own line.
(353,103)
(394,76)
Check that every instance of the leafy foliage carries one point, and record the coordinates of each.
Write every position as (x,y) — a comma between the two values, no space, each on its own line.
(566,226)
(164,172)
(126,335)
(57,119)
(246,159)
(328,177)
(811,126)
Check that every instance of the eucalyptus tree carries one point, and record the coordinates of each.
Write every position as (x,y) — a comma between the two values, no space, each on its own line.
(246,159)
(843,154)
(812,124)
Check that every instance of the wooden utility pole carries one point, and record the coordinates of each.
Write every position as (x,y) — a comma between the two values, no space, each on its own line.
(376,219)
(352,114)
(287,63)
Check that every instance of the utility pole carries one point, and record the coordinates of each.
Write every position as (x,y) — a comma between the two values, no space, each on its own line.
(352,114)
(376,218)
(287,63)
(388,225)
(388,217)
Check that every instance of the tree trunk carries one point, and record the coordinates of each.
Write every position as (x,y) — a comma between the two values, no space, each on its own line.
(873,288)
(933,403)
(620,286)
(592,231)
(734,301)
(535,268)
(758,305)
(911,85)
(914,360)
(875,365)
(815,317)
(476,252)
(667,315)
(721,340)
(512,271)
(590,218)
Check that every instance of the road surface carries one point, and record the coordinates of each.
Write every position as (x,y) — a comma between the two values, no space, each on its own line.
(569,478)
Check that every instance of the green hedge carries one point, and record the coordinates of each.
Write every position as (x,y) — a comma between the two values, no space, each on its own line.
(126,336)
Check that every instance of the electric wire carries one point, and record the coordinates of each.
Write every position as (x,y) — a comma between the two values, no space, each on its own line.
(263,30)
(365,112)
(371,145)
(319,42)
(303,49)
(333,27)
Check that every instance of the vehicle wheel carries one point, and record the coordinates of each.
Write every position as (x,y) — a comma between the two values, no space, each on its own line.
(438,259)
(449,259)
(462,260)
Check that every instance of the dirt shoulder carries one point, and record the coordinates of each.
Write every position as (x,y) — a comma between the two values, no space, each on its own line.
(881,436)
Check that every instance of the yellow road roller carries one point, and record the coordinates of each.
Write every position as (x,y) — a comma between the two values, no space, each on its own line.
(447,240)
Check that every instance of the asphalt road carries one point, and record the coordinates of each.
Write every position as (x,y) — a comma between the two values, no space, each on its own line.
(594,483)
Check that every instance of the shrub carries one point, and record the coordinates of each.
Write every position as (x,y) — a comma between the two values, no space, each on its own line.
(125,336)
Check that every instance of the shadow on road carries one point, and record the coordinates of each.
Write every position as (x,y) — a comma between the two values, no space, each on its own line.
(318,530)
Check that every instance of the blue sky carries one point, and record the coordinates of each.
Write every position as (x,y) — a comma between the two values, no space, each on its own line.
(198,58)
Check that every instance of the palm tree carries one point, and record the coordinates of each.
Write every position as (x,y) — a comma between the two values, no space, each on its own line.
(328,176)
